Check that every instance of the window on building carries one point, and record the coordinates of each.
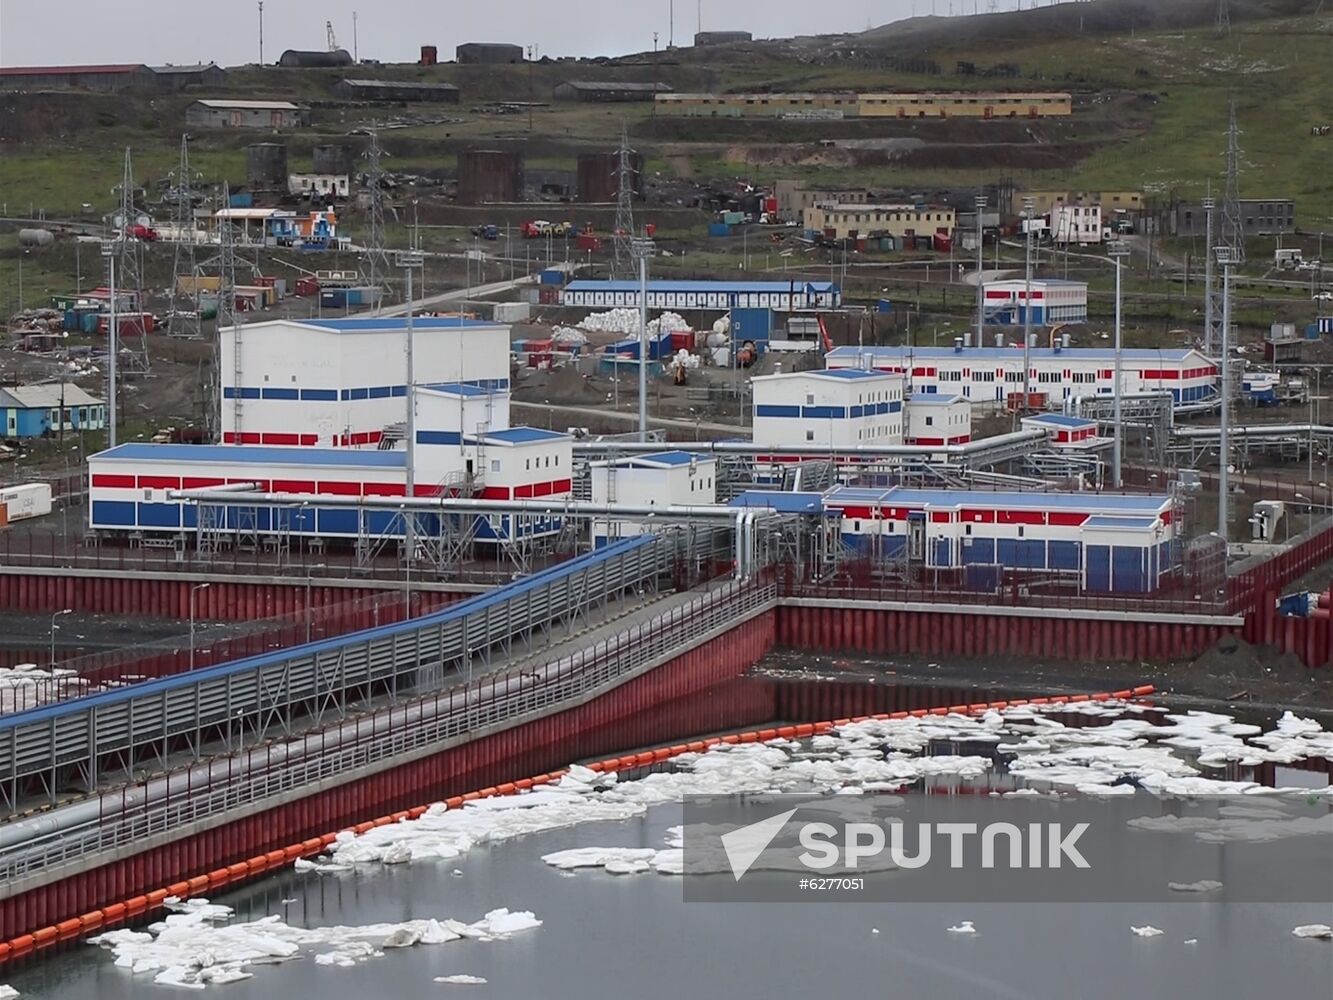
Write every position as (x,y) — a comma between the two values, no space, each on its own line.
(527,464)
(809,435)
(930,421)
(495,465)
(809,399)
(1020,531)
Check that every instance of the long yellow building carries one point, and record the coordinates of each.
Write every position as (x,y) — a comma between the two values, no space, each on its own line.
(958,104)
(844,221)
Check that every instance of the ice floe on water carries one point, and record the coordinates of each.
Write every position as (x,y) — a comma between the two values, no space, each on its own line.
(1128,750)
(7,992)
(1321,931)
(963,927)
(461,980)
(1147,931)
(195,947)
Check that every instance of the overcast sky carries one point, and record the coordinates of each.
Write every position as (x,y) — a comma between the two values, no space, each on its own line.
(49,32)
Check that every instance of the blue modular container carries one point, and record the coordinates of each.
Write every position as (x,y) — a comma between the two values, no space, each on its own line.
(719,229)
(1312,331)
(333,298)
(243,199)
(88,322)
(552,277)
(884,306)
(752,324)
(353,296)
(71,320)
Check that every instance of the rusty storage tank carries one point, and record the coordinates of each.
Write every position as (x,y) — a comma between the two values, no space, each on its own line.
(599,176)
(266,166)
(489,175)
(332,158)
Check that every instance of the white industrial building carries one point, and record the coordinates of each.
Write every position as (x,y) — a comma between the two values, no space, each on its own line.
(834,408)
(990,374)
(783,296)
(1054,302)
(1067,433)
(667,478)
(300,185)
(341,383)
(933,419)
(1081,224)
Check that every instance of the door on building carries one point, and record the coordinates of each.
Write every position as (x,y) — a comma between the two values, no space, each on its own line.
(275,119)
(236,119)
(916,537)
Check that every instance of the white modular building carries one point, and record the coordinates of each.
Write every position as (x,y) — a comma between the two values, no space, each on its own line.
(1067,433)
(841,407)
(716,296)
(936,419)
(522,463)
(1054,301)
(667,478)
(1081,224)
(1114,544)
(988,375)
(340,383)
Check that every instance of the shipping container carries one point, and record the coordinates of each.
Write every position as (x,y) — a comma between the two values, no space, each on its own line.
(512,312)
(548,295)
(587,242)
(719,229)
(306,287)
(751,324)
(242,199)
(733,218)
(28,500)
(129,324)
(884,306)
(552,276)
(333,298)
(90,322)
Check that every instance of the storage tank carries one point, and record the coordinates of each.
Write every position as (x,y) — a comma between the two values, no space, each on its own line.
(599,176)
(35,238)
(332,158)
(266,166)
(297,59)
(489,175)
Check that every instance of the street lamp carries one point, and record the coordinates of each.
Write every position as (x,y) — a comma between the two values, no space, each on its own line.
(194,590)
(52,661)
(1226,259)
(1118,251)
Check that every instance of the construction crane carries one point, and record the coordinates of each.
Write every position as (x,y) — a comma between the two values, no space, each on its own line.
(333,39)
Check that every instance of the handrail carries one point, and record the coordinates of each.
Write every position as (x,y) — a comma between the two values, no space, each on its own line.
(393,732)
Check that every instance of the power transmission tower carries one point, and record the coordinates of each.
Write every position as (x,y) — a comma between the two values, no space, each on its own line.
(130,264)
(624,266)
(184,322)
(375,259)
(1233,229)
(1223,26)
(1212,295)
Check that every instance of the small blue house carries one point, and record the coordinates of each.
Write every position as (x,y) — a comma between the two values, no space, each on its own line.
(33,411)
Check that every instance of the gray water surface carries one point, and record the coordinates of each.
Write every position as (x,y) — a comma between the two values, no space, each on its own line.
(633,937)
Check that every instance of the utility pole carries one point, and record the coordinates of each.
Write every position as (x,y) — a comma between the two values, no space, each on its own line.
(356,58)
(261,32)
(1210,313)
(1223,440)
(410,261)
(980,203)
(1118,251)
(1027,304)
(112,343)
(671,25)
(643,249)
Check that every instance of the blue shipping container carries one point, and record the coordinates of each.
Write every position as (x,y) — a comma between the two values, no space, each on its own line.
(243,200)
(71,320)
(884,306)
(88,322)
(751,324)
(719,229)
(334,298)
(552,277)
(354,296)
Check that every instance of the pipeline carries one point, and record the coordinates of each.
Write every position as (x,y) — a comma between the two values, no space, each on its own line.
(139,906)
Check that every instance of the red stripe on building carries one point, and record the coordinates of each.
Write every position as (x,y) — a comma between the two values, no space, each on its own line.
(495,493)
(340,489)
(200,482)
(113,482)
(293,486)
(159,482)
(388,489)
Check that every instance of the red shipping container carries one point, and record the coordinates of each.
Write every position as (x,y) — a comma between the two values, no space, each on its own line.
(682,340)
(307,287)
(587,242)
(548,295)
(771,206)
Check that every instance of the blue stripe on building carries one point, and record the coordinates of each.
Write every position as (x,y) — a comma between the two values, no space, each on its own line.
(439,437)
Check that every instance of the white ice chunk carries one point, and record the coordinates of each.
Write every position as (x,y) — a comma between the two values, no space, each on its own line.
(1146,931)
(1321,931)
(460,980)
(963,927)
(1203,885)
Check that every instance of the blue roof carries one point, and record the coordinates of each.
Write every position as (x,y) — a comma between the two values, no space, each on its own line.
(783,503)
(779,287)
(1144,505)
(397,324)
(458,389)
(848,373)
(524,435)
(254,455)
(1010,353)
(451,613)
(672,458)
(1060,420)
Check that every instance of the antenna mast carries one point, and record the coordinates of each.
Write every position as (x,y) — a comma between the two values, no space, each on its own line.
(184,323)
(1233,227)
(624,265)
(375,261)
(228,318)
